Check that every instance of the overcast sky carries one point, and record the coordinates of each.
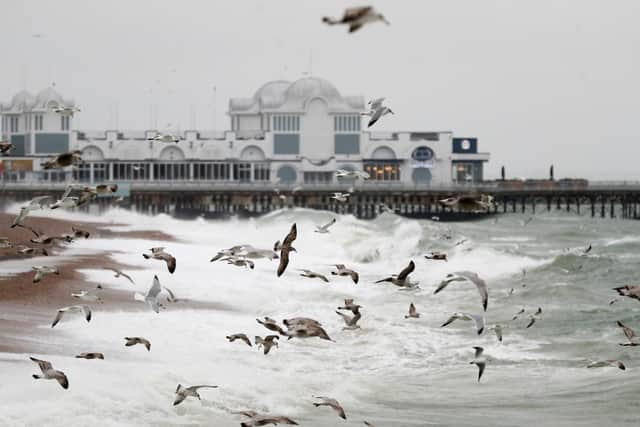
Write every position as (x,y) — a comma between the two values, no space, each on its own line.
(538,82)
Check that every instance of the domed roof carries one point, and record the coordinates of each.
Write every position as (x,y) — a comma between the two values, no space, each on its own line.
(271,93)
(313,87)
(22,99)
(47,95)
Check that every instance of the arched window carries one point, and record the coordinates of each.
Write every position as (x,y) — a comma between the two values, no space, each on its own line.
(287,174)
(421,176)
(422,154)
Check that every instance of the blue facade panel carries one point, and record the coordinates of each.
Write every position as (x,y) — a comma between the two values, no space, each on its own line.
(20,144)
(286,143)
(47,143)
(347,143)
(465,145)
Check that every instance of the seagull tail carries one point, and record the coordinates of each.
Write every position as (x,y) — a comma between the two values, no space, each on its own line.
(37,377)
(328,20)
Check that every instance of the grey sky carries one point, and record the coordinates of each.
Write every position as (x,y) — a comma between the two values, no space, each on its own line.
(537,81)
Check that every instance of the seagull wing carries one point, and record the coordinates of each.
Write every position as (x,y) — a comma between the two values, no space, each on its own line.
(407,270)
(478,321)
(196,387)
(42,364)
(284,261)
(449,321)
(347,319)
(86,311)
(479,351)
(58,317)
(21,216)
(480,284)
(169,259)
(481,366)
(293,233)
(376,103)
(62,379)
(354,276)
(355,13)
(376,114)
(172,297)
(155,289)
(329,224)
(628,332)
(412,310)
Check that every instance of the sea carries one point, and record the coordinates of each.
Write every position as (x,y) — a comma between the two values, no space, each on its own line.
(392,372)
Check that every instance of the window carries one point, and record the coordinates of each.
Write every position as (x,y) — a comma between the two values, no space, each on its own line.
(318,177)
(211,171)
(344,123)
(64,122)
(382,171)
(261,172)
(38,122)
(287,174)
(288,123)
(82,172)
(422,154)
(347,143)
(242,172)
(286,144)
(13,124)
(100,172)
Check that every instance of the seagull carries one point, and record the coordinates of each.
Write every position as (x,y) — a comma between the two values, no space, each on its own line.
(459,276)
(344,271)
(160,254)
(332,403)
(587,250)
(436,256)
(48,373)
(40,202)
(356,17)
(66,202)
(48,240)
(498,330)
(286,248)
(43,271)
(241,337)
(63,160)
(90,356)
(631,291)
(340,197)
(402,278)
(78,233)
(164,137)
(479,362)
(412,312)
(5,243)
(343,173)
(6,147)
(88,295)
(183,392)
(119,273)
(323,229)
(377,112)
(304,328)
(605,363)
(532,318)
(477,320)
(254,253)
(267,342)
(65,111)
(630,334)
(84,309)
(350,321)
(171,297)
(239,261)
(349,305)
(26,250)
(270,324)
(151,297)
(518,314)
(138,340)
(313,275)
(256,419)
(468,203)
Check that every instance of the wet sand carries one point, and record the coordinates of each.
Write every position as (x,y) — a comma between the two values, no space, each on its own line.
(26,306)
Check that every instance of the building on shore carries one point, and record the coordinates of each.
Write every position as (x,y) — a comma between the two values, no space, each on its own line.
(287,133)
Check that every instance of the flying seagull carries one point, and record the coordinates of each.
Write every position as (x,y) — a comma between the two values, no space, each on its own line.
(349,305)
(479,361)
(286,248)
(40,202)
(477,320)
(323,229)
(270,324)
(470,276)
(241,337)
(267,342)
(631,291)
(377,112)
(356,17)
(183,392)
(341,270)
(84,309)
(43,271)
(256,419)
(412,312)
(119,273)
(402,278)
(151,297)
(350,321)
(90,356)
(63,160)
(630,334)
(137,340)
(606,363)
(48,373)
(498,331)
(332,403)
(436,256)
(159,253)
(340,197)
(313,275)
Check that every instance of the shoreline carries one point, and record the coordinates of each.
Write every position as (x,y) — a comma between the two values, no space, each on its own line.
(25,306)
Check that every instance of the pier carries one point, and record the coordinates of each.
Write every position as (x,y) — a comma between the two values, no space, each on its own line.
(188,199)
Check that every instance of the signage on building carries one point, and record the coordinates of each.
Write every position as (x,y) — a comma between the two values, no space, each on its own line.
(422,165)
